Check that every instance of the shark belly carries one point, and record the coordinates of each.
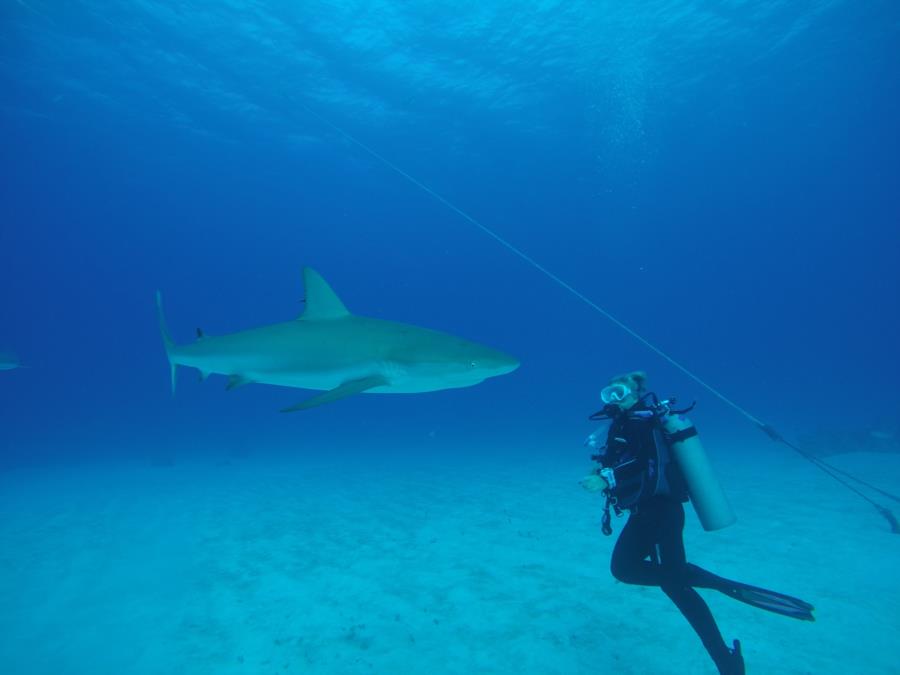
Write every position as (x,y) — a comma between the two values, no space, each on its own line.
(323,380)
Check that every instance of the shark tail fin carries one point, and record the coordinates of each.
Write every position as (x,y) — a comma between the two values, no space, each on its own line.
(167,339)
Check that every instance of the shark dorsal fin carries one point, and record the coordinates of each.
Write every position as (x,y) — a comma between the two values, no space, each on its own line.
(321,302)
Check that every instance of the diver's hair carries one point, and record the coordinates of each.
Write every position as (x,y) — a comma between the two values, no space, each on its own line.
(638,377)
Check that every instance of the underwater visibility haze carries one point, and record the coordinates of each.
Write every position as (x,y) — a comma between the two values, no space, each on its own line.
(506,205)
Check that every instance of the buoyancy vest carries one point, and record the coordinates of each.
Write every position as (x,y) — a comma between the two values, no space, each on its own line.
(637,461)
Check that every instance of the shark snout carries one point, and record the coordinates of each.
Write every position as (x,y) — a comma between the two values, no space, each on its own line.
(499,363)
(507,365)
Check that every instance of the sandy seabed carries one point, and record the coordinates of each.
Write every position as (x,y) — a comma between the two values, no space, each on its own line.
(363,565)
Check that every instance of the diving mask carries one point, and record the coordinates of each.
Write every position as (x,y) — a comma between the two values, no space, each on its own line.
(615,393)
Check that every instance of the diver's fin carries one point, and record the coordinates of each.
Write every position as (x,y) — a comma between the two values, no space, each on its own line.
(235,381)
(342,391)
(768,600)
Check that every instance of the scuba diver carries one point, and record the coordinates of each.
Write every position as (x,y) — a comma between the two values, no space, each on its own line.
(651,462)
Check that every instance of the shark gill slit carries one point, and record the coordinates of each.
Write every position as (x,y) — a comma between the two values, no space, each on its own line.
(837,474)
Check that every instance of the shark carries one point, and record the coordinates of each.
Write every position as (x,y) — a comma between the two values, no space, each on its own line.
(9,361)
(331,350)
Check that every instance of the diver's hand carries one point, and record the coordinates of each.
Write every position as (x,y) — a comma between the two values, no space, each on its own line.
(593,483)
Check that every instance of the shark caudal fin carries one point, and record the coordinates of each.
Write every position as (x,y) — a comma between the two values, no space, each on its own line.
(167,339)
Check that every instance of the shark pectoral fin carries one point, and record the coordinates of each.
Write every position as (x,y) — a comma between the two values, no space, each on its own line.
(235,381)
(342,391)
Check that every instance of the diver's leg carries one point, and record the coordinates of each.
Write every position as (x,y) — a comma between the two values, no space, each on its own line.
(655,531)
(629,562)
(673,565)
(657,521)
(697,612)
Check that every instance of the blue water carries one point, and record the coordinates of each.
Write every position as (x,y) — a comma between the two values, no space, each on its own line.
(724,178)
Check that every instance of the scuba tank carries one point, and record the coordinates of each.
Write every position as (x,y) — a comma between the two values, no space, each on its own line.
(706,492)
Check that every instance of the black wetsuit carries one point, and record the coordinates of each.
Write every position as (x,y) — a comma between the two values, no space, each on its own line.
(650,549)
